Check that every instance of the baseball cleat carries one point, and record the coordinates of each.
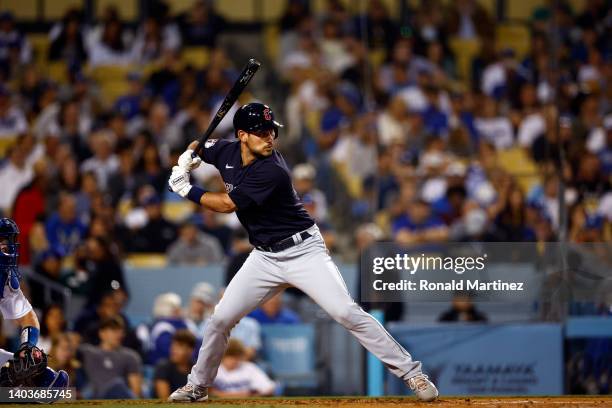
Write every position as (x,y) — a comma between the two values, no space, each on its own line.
(424,389)
(189,393)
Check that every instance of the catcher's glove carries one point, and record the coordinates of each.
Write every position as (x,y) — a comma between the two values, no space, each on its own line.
(28,363)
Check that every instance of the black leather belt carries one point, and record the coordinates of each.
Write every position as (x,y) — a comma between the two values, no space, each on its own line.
(284,244)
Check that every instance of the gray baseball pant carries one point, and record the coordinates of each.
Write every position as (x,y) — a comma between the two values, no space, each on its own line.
(308,267)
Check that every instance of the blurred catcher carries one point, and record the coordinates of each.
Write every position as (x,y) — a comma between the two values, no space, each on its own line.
(27,367)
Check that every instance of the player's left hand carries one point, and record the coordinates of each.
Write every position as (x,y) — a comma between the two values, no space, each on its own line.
(179,181)
(187,162)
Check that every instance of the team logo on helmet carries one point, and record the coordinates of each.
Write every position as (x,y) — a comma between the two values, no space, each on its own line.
(266,114)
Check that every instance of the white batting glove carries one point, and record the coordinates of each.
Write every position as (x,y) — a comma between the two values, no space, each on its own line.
(179,181)
(187,162)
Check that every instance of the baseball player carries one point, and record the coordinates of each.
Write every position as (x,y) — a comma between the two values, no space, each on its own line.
(289,251)
(27,367)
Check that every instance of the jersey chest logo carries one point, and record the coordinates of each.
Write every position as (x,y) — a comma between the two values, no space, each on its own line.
(229,187)
(210,143)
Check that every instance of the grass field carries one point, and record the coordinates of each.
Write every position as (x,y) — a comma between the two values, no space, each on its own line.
(482,402)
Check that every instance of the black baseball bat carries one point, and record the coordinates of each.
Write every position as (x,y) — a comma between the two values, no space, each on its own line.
(243,80)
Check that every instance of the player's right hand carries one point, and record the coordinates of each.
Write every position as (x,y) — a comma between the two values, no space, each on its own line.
(187,162)
(179,181)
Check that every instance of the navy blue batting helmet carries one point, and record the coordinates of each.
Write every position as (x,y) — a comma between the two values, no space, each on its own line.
(254,117)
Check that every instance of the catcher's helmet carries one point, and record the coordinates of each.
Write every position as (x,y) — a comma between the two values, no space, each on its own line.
(254,117)
(9,253)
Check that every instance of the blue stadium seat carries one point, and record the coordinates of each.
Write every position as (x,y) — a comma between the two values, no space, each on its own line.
(289,350)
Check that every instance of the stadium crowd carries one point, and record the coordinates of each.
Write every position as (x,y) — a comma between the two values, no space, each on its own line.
(389,134)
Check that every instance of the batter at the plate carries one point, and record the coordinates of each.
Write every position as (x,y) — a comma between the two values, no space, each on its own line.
(289,251)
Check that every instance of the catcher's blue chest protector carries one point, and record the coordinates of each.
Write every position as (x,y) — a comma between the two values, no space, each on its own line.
(9,255)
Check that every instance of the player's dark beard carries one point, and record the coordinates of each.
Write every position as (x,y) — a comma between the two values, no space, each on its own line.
(259,155)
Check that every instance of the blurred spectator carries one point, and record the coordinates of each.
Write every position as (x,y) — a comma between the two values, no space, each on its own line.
(93,34)
(64,230)
(47,272)
(509,213)
(14,174)
(493,127)
(110,47)
(328,233)
(167,315)
(130,105)
(380,30)
(469,20)
(393,122)
(109,306)
(53,325)
(30,204)
(104,270)
(171,373)
(194,247)
(69,45)
(239,378)
(200,25)
(240,251)
(419,225)
(113,371)
(74,126)
(157,234)
(62,356)
(15,48)
(12,119)
(248,332)
(214,224)
(273,312)
(104,162)
(149,169)
(304,176)
(149,43)
(122,183)
(462,310)
(201,304)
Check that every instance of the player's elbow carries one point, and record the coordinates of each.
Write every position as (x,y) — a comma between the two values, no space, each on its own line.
(227,205)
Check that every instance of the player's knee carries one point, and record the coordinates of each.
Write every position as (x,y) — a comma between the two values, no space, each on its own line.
(347,316)
(221,323)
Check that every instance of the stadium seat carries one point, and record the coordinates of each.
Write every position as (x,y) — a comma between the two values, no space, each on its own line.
(112,80)
(237,10)
(522,10)
(146,260)
(377,57)
(515,37)
(57,71)
(112,90)
(177,211)
(55,10)
(517,162)
(197,57)
(128,9)
(104,73)
(5,143)
(464,51)
(21,9)
(289,350)
(181,6)
(271,40)
(272,10)
(40,48)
